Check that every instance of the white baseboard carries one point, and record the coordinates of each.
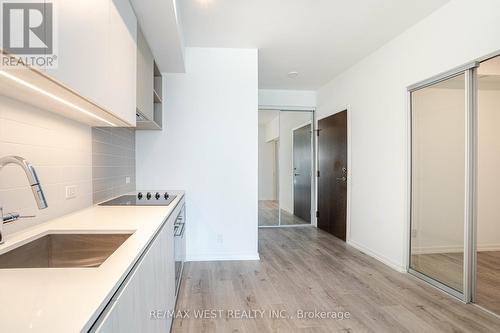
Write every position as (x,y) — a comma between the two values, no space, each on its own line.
(488,247)
(377,256)
(453,249)
(437,249)
(224,257)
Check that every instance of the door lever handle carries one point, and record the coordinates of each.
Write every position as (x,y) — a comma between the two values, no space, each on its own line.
(342,178)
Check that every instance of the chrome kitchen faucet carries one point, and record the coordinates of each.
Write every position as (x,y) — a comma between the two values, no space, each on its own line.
(36,188)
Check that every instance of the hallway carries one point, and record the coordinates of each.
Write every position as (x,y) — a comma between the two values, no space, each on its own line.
(308,269)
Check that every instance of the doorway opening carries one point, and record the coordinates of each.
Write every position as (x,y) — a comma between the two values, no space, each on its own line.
(286,164)
(454,231)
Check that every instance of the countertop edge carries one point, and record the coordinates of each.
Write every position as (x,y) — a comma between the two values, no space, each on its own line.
(109,298)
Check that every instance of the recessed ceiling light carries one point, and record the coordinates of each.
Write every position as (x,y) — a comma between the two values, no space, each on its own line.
(293,74)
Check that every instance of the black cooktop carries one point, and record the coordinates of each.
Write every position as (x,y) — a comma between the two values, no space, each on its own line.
(142,199)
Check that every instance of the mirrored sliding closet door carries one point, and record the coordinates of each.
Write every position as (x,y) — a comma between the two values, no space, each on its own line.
(285,168)
(439,178)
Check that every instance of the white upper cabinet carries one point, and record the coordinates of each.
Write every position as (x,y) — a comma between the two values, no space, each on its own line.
(123,59)
(145,64)
(97,53)
(82,36)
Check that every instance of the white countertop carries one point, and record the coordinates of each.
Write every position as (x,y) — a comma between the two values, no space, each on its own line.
(70,299)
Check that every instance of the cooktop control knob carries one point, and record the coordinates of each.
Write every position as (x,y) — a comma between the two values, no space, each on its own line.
(148,196)
(165,195)
(157,196)
(139,195)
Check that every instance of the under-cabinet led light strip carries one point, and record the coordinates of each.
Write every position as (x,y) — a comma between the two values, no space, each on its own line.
(54,97)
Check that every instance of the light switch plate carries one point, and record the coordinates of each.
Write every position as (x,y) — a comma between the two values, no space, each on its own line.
(127,180)
(71,192)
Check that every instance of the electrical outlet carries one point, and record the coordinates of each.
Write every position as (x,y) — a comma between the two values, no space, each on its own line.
(71,192)
(127,180)
(220,239)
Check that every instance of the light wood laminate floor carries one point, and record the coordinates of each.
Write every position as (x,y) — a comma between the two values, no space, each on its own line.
(306,268)
(268,215)
(488,280)
(445,267)
(448,268)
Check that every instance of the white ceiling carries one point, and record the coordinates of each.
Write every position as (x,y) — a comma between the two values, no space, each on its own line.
(317,38)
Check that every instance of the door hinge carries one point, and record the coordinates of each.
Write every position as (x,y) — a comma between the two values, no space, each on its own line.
(317,214)
(317,174)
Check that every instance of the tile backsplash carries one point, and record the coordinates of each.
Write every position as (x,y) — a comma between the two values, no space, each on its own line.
(61,152)
(97,161)
(113,160)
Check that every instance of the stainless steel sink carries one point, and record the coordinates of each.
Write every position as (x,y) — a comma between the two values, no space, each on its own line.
(64,250)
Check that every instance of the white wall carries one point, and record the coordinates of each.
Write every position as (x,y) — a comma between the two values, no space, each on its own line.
(274,98)
(375,92)
(272,129)
(488,207)
(208,148)
(267,167)
(61,152)
(438,170)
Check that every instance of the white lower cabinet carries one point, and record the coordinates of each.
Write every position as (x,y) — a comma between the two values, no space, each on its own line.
(143,302)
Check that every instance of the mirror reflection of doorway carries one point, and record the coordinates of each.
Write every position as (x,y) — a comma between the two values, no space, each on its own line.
(301,160)
(285,168)
(268,168)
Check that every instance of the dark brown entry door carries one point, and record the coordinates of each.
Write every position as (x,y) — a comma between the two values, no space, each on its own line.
(302,173)
(332,181)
